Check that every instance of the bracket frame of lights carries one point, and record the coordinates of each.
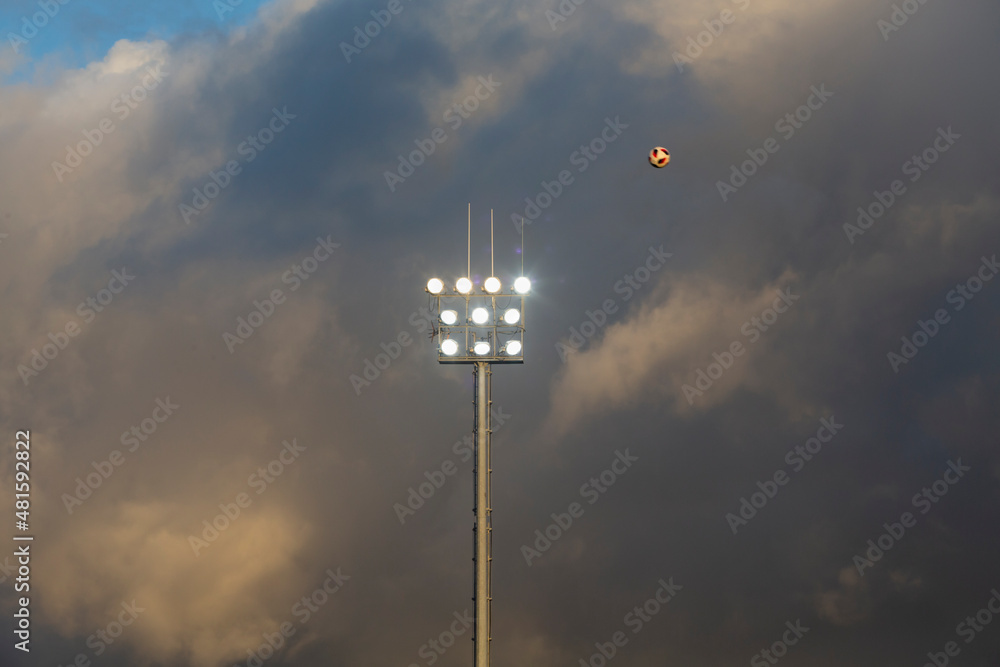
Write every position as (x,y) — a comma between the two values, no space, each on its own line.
(496,330)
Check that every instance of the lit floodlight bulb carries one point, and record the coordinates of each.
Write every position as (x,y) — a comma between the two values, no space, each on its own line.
(434,286)
(513,347)
(522,285)
(449,317)
(481,347)
(480,316)
(449,346)
(464,285)
(492,285)
(512,316)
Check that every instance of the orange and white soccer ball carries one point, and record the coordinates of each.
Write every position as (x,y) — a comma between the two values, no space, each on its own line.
(659,157)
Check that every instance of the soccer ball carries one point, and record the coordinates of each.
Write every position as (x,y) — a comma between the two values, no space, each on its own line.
(659,157)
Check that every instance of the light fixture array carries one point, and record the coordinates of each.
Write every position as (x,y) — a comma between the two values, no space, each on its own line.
(487,323)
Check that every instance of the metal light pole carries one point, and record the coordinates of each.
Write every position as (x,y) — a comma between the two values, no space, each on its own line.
(492,332)
(483,529)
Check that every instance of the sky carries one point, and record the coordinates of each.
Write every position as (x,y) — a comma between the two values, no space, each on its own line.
(756,420)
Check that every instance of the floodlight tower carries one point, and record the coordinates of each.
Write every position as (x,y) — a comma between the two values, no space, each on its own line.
(482,327)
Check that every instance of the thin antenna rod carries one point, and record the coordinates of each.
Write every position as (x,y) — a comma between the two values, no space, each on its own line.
(468,268)
(492,273)
(522,245)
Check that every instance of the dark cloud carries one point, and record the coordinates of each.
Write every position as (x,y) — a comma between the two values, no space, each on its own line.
(322,178)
